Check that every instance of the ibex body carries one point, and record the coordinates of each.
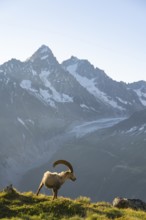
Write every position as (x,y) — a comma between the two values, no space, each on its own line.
(55,180)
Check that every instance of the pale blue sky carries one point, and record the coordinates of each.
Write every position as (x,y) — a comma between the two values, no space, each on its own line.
(111,34)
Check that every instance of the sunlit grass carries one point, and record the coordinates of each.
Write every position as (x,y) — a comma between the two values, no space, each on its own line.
(28,206)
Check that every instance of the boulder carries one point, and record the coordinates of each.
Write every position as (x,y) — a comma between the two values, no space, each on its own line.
(9,189)
(135,204)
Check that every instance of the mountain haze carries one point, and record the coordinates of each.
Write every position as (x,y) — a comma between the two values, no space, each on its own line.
(70,110)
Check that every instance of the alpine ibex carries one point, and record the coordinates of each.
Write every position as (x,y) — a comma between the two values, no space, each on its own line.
(55,180)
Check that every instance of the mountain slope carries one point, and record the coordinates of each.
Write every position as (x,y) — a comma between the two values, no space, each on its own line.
(108,163)
(42,100)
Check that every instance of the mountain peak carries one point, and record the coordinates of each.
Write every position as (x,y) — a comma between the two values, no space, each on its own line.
(71,61)
(73,58)
(43,53)
(44,49)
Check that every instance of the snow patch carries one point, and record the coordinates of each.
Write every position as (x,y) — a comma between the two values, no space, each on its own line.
(133,129)
(122,101)
(26,84)
(136,130)
(142,128)
(84,106)
(44,77)
(47,97)
(21,121)
(44,57)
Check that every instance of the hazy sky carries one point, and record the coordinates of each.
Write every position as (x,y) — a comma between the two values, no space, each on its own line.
(111,34)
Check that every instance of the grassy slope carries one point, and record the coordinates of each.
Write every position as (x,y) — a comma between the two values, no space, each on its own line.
(27,206)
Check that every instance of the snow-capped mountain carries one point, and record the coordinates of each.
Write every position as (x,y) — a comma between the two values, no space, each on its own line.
(42,100)
(117,95)
(74,88)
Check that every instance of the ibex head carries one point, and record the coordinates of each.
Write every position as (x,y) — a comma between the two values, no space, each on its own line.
(70,173)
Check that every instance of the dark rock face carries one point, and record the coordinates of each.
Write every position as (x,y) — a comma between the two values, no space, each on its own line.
(129,203)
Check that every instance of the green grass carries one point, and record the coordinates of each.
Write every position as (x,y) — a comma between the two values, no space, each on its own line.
(28,206)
